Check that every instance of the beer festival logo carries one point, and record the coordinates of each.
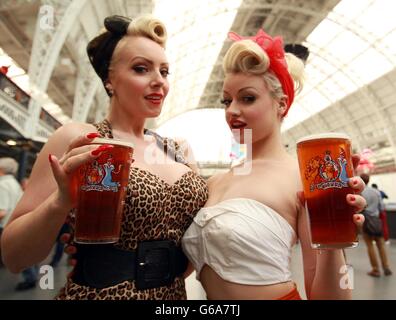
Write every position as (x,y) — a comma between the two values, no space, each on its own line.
(324,172)
(99,177)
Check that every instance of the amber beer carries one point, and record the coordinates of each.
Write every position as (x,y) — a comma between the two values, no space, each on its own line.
(325,166)
(101,187)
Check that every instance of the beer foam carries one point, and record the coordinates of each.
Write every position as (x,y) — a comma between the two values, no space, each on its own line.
(324,135)
(113,142)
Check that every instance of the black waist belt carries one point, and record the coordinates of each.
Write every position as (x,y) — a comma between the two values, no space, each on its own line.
(154,264)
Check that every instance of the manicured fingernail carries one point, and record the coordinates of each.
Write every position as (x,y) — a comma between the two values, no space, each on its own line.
(50,158)
(355,182)
(105,147)
(92,135)
(102,148)
(353,198)
(358,218)
(96,152)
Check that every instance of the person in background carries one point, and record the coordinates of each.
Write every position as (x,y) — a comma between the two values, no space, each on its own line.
(59,246)
(383,215)
(374,207)
(382,193)
(10,193)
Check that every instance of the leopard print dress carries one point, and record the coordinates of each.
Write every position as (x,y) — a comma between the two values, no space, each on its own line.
(154,210)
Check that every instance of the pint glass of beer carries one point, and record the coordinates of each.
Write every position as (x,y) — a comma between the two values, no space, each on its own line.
(325,166)
(101,187)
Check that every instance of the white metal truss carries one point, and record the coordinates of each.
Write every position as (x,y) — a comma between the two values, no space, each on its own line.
(48,41)
(87,82)
(9,4)
(86,86)
(13,112)
(17,116)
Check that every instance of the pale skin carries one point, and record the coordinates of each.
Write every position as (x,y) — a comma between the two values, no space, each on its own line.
(139,70)
(275,182)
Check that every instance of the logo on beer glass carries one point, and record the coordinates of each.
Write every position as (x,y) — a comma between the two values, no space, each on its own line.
(325,172)
(99,177)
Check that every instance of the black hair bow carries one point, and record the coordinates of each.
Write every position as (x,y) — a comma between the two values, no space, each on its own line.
(117,24)
(100,49)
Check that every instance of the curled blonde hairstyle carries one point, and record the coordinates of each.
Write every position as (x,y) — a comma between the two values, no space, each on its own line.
(149,27)
(246,56)
(143,26)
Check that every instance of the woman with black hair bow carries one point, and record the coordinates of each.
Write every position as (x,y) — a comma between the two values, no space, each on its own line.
(162,198)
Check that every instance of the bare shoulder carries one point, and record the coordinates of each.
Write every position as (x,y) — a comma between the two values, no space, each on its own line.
(72,130)
(295,171)
(61,138)
(295,181)
(215,179)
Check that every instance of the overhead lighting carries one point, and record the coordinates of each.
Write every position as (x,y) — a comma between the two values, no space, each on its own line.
(11,142)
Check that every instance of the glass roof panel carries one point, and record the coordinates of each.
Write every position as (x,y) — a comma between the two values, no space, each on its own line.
(352,8)
(193,47)
(345,82)
(389,44)
(346,46)
(348,50)
(370,16)
(205,130)
(363,65)
(324,32)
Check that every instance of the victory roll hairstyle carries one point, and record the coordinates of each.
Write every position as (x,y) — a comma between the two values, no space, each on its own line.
(101,49)
(264,55)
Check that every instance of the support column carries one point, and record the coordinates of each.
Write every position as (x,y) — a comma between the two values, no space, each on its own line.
(54,21)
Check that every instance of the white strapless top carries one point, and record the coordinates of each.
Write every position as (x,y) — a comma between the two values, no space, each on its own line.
(243,241)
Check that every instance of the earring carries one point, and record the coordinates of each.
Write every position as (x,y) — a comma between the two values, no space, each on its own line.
(109,89)
(282,108)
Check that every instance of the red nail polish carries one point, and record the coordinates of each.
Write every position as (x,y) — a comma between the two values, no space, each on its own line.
(353,198)
(355,182)
(92,135)
(358,218)
(50,158)
(96,152)
(105,147)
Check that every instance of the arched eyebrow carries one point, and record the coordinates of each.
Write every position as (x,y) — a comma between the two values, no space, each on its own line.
(240,90)
(163,64)
(246,88)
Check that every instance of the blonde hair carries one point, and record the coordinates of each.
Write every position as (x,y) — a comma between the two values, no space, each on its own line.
(149,27)
(246,56)
(143,26)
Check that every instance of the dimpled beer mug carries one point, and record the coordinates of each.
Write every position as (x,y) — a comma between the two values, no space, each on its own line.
(325,167)
(101,187)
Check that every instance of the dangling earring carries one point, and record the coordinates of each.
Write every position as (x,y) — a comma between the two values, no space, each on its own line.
(109,89)
(282,108)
